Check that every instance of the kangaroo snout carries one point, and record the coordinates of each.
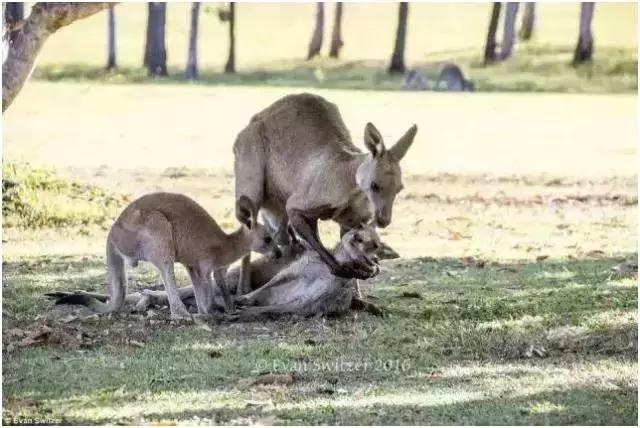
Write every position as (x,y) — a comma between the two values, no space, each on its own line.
(277,253)
(383,220)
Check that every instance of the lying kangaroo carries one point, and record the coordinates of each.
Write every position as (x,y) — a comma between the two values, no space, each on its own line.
(308,287)
(261,271)
(292,284)
(453,79)
(164,228)
(296,161)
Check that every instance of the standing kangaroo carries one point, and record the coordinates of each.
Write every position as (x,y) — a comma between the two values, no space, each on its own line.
(260,272)
(164,228)
(296,161)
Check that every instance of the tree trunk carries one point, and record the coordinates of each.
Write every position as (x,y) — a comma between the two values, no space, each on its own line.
(336,34)
(13,14)
(316,39)
(490,46)
(528,21)
(230,66)
(397,58)
(584,48)
(111,36)
(156,51)
(191,72)
(44,20)
(509,30)
(145,57)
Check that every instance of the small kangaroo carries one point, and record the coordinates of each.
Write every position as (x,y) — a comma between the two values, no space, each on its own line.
(296,161)
(164,228)
(454,80)
(260,271)
(415,81)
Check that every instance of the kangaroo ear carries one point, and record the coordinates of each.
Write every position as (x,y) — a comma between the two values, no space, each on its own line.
(400,148)
(245,211)
(373,140)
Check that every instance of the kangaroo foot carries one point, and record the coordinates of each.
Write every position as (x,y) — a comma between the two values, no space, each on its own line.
(244,300)
(359,304)
(179,312)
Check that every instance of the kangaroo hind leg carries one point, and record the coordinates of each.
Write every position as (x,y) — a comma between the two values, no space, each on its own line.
(158,248)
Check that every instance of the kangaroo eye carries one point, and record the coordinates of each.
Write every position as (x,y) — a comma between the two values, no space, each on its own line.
(358,239)
(268,240)
(375,187)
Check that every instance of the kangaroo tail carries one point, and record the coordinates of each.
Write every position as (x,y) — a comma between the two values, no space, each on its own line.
(94,302)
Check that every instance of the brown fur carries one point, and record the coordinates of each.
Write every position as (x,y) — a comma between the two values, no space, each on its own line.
(165,228)
(296,161)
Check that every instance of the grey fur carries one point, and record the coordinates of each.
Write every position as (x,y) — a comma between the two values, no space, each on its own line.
(453,78)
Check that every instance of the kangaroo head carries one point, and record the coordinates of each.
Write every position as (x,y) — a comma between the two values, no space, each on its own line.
(361,240)
(379,176)
(260,238)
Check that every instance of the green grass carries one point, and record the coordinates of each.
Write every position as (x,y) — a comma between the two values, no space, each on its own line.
(38,198)
(539,69)
(437,33)
(507,336)
(540,187)
(457,355)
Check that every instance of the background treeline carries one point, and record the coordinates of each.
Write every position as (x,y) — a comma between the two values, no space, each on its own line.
(182,40)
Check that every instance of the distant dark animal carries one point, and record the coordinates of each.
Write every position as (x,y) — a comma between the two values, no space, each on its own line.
(415,81)
(453,80)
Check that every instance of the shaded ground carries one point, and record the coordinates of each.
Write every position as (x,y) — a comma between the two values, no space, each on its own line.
(536,332)
(534,69)
(505,343)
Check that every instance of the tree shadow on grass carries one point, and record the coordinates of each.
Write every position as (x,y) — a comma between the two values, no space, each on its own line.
(572,310)
(534,69)
(571,406)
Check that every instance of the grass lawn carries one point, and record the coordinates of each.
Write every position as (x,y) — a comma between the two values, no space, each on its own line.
(272,40)
(511,303)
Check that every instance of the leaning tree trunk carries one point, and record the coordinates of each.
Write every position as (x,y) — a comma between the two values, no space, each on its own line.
(509,30)
(156,49)
(230,66)
(191,72)
(316,39)
(111,39)
(397,58)
(490,46)
(44,20)
(528,21)
(13,14)
(336,34)
(584,48)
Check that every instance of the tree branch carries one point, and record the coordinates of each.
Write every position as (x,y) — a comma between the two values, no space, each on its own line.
(44,20)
